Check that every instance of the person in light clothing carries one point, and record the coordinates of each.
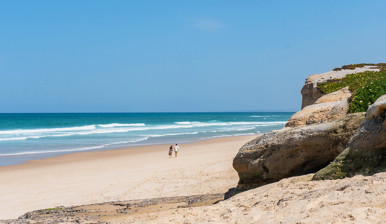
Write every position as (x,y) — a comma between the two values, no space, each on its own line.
(176,149)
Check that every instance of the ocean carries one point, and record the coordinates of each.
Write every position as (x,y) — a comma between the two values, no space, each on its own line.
(26,137)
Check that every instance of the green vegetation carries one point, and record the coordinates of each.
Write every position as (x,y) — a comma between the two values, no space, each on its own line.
(381,66)
(353,161)
(52,209)
(366,87)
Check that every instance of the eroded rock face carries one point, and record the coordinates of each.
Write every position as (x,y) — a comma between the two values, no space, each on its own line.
(327,108)
(293,151)
(366,152)
(310,92)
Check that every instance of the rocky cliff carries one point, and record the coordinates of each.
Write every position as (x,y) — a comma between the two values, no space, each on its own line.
(310,92)
(327,108)
(316,135)
(293,151)
(366,152)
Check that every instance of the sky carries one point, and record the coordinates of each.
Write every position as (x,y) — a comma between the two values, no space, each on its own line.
(177,56)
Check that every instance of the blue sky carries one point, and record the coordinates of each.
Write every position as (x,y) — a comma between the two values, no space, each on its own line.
(159,56)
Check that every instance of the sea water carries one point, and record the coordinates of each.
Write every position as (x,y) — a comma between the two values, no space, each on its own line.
(33,136)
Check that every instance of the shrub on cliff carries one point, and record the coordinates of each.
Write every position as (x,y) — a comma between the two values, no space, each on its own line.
(380,66)
(366,87)
(367,95)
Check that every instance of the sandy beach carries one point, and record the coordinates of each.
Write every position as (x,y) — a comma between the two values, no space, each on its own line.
(295,200)
(115,175)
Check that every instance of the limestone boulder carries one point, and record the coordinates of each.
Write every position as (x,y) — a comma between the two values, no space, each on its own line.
(366,152)
(327,108)
(293,151)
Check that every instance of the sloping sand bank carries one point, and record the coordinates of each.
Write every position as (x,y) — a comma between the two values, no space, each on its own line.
(294,200)
(118,175)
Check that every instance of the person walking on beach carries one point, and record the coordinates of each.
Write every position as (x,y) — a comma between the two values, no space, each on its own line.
(176,149)
(171,151)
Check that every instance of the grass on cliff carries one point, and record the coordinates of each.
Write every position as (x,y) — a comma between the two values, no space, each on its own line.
(366,87)
(381,66)
(52,209)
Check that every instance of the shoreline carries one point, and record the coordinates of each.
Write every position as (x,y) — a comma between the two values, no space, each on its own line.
(42,136)
(57,157)
(120,174)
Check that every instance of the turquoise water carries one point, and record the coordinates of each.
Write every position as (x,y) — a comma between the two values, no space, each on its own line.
(33,136)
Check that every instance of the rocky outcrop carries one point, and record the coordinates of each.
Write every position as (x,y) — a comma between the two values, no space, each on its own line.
(366,152)
(293,151)
(310,92)
(357,200)
(327,108)
(99,213)
(312,138)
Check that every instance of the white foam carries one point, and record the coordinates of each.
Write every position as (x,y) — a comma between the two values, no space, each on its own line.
(112,125)
(125,142)
(187,122)
(75,150)
(174,134)
(53,151)
(256,123)
(43,130)
(13,139)
(33,137)
(259,123)
(221,136)
(24,134)
(264,116)
(236,129)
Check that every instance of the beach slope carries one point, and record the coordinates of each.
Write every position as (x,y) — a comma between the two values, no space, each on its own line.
(117,175)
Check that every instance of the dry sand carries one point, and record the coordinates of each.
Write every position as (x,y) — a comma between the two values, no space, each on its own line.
(116,175)
(295,200)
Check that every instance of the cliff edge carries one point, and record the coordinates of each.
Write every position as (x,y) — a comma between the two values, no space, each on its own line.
(322,130)
(310,91)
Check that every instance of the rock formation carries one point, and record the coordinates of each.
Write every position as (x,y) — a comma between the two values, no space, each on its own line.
(293,151)
(327,108)
(312,138)
(310,92)
(366,152)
